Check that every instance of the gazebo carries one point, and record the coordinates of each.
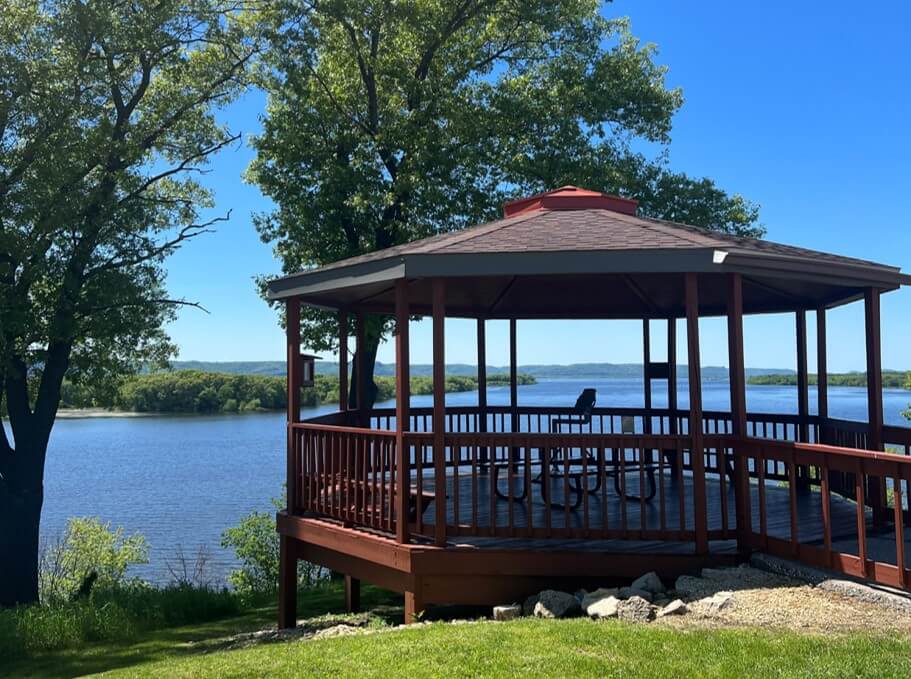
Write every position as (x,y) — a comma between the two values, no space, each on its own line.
(487,504)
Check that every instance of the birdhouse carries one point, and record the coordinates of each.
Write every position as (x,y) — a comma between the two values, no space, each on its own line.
(308,369)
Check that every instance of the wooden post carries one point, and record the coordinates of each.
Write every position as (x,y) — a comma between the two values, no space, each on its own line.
(402,417)
(439,409)
(342,360)
(513,378)
(293,339)
(646,364)
(360,389)
(737,380)
(822,370)
(874,369)
(287,581)
(352,594)
(803,378)
(697,450)
(802,472)
(672,373)
(875,494)
(414,602)
(482,387)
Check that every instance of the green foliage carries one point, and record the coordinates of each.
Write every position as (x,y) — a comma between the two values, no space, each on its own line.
(88,546)
(256,545)
(892,379)
(188,391)
(388,122)
(117,613)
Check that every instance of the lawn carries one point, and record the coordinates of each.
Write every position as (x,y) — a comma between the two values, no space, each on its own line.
(524,648)
(537,648)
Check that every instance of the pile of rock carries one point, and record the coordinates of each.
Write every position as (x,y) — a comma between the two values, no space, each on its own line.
(645,599)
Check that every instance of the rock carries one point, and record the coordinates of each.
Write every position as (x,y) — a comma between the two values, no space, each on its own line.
(635,609)
(508,612)
(603,608)
(580,594)
(598,595)
(716,603)
(528,608)
(676,607)
(554,604)
(337,631)
(629,592)
(692,587)
(718,573)
(650,582)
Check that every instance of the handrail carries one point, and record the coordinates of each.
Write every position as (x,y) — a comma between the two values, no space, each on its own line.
(555,485)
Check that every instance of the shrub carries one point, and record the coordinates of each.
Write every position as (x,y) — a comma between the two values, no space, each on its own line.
(256,545)
(88,546)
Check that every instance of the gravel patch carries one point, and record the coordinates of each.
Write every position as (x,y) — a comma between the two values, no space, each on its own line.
(763,599)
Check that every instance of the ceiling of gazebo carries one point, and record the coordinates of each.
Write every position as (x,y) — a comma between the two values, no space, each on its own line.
(572,253)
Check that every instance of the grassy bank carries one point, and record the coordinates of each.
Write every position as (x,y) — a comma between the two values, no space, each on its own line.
(528,647)
(892,379)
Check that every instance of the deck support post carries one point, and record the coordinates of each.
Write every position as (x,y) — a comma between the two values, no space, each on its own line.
(646,365)
(482,389)
(737,380)
(342,360)
(672,374)
(803,396)
(697,450)
(352,595)
(402,416)
(513,379)
(287,583)
(822,379)
(414,602)
(439,409)
(875,491)
(360,388)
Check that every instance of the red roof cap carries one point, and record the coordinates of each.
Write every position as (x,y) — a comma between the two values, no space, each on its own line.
(570,198)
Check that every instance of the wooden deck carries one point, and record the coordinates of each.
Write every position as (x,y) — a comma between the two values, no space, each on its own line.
(607,510)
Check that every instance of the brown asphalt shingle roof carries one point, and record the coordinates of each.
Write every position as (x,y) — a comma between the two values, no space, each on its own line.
(587,230)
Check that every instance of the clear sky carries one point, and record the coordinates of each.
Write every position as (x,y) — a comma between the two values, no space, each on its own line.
(802,107)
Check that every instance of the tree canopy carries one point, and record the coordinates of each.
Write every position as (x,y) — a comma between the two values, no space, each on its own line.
(391,121)
(106,119)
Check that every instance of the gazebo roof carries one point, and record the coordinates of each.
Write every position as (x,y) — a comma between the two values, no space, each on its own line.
(572,253)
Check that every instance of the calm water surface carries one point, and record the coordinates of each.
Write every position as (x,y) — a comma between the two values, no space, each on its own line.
(180,481)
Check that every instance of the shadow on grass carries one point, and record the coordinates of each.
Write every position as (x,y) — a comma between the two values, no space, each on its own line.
(189,639)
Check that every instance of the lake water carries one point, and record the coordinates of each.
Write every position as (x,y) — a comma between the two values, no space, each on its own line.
(180,481)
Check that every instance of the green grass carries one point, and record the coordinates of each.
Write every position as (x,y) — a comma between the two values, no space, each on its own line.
(176,641)
(536,648)
(525,648)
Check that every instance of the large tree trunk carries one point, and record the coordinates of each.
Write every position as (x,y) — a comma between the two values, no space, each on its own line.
(372,334)
(20,518)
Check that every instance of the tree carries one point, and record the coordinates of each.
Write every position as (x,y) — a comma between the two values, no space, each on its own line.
(391,121)
(106,118)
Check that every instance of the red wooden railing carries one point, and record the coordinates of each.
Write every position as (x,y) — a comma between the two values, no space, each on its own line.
(345,473)
(349,473)
(868,551)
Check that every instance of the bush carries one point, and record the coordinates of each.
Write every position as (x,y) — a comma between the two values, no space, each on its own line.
(256,545)
(88,547)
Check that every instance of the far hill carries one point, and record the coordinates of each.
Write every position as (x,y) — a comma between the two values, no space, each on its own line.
(541,372)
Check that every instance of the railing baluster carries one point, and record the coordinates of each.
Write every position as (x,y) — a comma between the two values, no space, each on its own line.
(861,517)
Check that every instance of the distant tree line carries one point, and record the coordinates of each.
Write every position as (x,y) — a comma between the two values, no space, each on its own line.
(892,379)
(195,391)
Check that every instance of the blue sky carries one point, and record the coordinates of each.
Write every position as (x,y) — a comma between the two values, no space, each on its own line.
(802,107)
